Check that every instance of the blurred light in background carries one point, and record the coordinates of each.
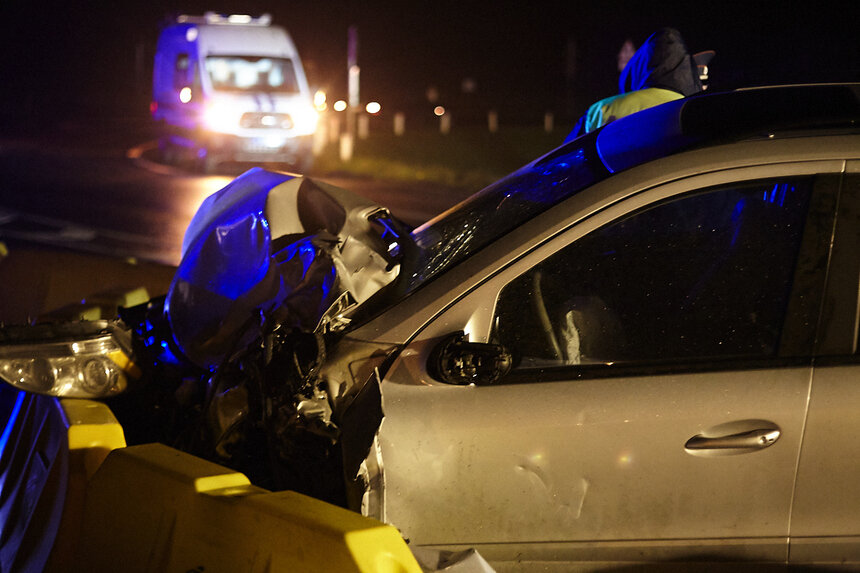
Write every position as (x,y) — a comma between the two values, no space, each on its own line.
(222,117)
(185,95)
(439,110)
(339,105)
(305,119)
(239,19)
(373,107)
(320,100)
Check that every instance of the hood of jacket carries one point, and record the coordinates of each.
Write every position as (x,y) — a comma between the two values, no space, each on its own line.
(661,62)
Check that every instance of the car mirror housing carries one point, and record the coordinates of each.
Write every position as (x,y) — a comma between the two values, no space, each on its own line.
(455,360)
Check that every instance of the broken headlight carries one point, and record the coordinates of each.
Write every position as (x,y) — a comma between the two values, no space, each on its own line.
(68,360)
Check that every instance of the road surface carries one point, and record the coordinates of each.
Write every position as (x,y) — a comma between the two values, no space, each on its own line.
(99,189)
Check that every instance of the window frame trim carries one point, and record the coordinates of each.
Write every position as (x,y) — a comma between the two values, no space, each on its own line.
(839,321)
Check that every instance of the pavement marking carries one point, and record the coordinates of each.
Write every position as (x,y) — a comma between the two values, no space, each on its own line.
(51,231)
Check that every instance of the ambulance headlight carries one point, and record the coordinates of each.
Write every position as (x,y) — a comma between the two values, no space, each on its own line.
(305,120)
(68,360)
(222,117)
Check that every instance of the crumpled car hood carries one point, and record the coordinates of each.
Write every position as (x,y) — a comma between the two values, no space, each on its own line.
(273,248)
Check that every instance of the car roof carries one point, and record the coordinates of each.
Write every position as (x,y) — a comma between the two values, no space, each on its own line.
(712,118)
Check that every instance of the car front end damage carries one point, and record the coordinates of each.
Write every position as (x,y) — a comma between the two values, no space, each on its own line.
(247,361)
(273,271)
(254,359)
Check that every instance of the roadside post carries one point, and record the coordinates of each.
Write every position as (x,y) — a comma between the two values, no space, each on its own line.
(548,122)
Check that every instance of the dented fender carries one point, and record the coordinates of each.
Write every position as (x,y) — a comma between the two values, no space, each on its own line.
(275,249)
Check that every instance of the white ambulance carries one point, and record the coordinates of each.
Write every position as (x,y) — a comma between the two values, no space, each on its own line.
(232,88)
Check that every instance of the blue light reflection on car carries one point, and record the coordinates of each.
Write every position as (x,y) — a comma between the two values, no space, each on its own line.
(644,136)
(10,423)
(778,193)
(234,274)
(233,255)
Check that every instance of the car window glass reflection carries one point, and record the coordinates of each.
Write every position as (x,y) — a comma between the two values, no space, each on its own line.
(706,275)
(502,207)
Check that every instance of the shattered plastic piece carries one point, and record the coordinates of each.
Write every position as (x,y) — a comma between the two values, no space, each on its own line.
(437,560)
(334,319)
(315,413)
(273,248)
(228,409)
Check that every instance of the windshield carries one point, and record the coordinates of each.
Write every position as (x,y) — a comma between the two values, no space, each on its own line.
(252,74)
(502,207)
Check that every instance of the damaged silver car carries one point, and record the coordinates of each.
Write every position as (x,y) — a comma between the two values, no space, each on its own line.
(639,348)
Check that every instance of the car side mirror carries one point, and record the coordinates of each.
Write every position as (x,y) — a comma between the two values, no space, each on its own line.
(455,360)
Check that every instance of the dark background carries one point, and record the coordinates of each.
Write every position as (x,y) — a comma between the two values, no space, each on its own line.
(72,60)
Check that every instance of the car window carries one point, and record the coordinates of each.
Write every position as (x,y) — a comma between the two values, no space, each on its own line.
(460,232)
(706,275)
(503,206)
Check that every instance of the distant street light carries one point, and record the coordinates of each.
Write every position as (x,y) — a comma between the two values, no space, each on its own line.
(373,107)
(339,105)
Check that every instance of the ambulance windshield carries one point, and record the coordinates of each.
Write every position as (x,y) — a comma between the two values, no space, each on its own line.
(252,74)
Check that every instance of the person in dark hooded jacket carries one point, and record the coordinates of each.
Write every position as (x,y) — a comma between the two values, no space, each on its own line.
(661,70)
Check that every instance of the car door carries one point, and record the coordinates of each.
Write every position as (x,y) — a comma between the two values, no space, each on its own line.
(825,523)
(662,370)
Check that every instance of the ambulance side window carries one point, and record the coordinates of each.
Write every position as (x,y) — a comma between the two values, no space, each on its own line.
(181,72)
(195,79)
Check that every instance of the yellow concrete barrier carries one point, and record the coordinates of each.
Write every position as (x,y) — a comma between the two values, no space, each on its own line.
(155,509)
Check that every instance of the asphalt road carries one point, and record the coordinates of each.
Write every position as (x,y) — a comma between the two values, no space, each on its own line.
(88,208)
(100,188)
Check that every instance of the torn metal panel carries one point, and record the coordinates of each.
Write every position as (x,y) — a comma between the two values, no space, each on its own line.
(352,377)
(350,364)
(359,424)
(365,493)
(439,560)
(271,248)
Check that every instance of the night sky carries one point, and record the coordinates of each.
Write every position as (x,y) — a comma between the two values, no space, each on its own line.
(75,59)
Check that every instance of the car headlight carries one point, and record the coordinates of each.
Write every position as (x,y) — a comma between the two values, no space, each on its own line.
(222,117)
(305,120)
(69,360)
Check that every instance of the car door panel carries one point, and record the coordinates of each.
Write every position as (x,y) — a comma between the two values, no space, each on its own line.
(825,523)
(591,460)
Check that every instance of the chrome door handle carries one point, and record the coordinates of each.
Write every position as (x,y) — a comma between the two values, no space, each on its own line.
(752,440)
